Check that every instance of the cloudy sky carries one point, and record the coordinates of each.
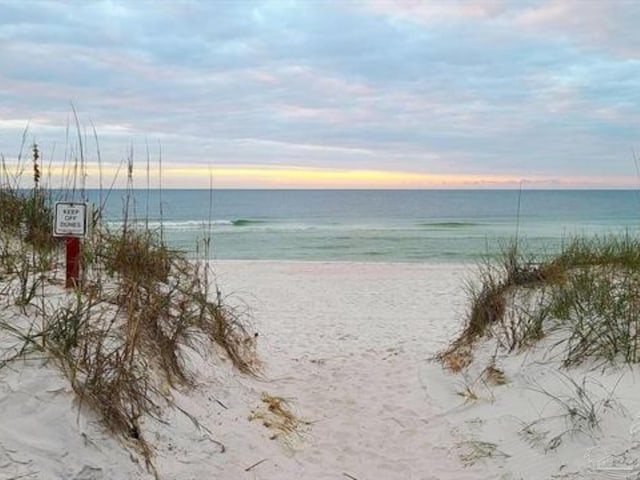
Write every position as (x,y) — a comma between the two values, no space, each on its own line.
(386,93)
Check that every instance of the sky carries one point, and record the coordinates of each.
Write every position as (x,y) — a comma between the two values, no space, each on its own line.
(327,94)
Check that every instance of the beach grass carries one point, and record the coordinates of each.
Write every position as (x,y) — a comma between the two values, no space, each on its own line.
(587,294)
(124,336)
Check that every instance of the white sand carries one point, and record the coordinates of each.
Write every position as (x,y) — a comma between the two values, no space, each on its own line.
(349,346)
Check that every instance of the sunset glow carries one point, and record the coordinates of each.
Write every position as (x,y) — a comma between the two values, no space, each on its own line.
(255,176)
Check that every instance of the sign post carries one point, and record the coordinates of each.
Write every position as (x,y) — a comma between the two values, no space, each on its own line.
(70,222)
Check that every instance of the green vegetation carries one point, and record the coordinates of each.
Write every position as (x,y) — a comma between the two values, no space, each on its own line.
(587,294)
(124,337)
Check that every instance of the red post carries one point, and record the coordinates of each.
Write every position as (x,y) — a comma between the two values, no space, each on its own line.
(73,261)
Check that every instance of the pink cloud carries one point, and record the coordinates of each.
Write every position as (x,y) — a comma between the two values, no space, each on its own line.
(431,11)
(609,25)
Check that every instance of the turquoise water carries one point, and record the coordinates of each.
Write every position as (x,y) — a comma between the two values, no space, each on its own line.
(376,225)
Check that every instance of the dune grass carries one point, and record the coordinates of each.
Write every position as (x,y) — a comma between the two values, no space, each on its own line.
(588,293)
(128,333)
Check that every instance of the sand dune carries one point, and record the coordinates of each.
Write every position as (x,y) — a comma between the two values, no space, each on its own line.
(348,347)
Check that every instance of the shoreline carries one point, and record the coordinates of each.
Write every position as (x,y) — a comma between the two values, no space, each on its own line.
(452,264)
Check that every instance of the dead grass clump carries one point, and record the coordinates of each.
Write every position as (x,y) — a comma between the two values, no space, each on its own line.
(276,415)
(456,359)
(468,393)
(494,375)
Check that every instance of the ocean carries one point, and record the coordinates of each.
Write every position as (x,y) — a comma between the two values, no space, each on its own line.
(375,225)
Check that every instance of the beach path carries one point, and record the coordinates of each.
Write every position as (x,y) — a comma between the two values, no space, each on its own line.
(348,345)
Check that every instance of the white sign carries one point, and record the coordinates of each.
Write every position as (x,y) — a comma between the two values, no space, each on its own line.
(70,219)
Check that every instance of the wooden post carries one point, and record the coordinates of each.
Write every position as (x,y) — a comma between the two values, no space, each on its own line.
(73,262)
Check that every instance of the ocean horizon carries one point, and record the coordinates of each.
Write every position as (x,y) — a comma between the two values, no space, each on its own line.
(373,225)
